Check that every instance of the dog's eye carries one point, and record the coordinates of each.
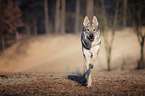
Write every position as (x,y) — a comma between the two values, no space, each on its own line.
(87,30)
(94,30)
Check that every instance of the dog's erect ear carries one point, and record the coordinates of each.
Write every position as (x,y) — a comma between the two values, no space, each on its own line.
(95,21)
(86,21)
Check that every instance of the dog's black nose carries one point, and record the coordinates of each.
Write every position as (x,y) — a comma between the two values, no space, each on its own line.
(91,36)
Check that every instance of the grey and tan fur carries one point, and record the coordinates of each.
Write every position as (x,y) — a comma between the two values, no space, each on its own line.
(91,41)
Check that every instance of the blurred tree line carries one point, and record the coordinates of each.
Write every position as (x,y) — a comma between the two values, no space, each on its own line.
(25,18)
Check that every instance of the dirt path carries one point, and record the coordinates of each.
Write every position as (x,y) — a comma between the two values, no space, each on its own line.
(104,83)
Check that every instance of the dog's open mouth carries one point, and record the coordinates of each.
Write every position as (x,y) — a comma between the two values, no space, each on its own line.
(91,39)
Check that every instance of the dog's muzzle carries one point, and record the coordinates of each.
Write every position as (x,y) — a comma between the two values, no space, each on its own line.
(91,37)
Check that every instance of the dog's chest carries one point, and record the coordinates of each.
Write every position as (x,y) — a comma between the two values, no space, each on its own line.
(93,51)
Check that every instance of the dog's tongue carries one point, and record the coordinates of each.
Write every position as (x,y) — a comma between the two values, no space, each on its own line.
(91,39)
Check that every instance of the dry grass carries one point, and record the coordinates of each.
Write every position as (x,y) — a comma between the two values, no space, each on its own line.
(104,83)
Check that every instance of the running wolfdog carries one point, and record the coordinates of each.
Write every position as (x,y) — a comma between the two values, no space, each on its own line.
(91,41)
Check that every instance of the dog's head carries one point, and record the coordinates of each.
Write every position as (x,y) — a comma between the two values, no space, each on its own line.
(91,29)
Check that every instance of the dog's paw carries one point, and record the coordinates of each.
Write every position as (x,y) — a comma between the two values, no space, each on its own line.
(89,86)
(91,66)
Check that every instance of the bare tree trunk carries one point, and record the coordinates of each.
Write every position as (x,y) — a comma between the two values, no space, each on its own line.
(124,12)
(35,27)
(90,8)
(46,17)
(57,20)
(141,63)
(63,18)
(28,30)
(109,59)
(3,42)
(139,32)
(108,43)
(1,37)
(104,16)
(113,33)
(77,16)
(18,37)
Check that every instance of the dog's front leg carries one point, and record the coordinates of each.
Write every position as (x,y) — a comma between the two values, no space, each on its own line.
(87,56)
(95,51)
(89,78)
(88,73)
(95,56)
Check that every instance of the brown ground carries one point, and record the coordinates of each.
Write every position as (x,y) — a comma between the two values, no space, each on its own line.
(104,83)
(52,65)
